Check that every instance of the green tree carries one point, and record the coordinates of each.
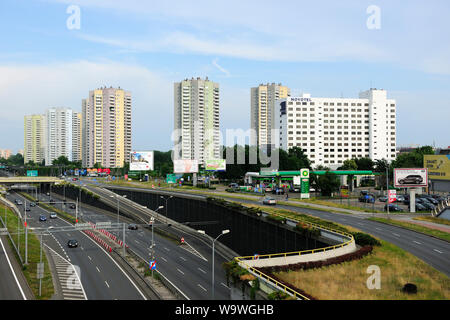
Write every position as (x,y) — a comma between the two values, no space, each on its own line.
(365,164)
(61,161)
(328,183)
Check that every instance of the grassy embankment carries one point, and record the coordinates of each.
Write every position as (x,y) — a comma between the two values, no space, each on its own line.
(16,229)
(348,280)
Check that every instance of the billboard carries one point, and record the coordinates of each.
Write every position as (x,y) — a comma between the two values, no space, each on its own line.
(410,178)
(438,166)
(141,160)
(216,165)
(185,166)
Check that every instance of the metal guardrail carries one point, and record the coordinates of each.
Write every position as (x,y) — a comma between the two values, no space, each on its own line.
(298,253)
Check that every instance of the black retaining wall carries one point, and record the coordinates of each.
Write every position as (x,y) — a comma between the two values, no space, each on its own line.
(249,234)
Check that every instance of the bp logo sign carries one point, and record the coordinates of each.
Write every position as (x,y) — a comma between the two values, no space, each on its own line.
(304,173)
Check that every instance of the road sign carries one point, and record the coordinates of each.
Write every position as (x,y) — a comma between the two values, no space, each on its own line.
(3,232)
(103,224)
(152,264)
(40,270)
(32,173)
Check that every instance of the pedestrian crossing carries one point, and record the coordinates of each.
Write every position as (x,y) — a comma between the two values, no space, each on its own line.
(69,278)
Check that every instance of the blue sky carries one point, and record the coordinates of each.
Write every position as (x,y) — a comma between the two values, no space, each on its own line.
(323,47)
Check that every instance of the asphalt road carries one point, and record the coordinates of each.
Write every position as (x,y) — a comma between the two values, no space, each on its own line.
(432,251)
(9,286)
(188,270)
(101,278)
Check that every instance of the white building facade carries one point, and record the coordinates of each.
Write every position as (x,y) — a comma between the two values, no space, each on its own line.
(196,120)
(58,134)
(332,130)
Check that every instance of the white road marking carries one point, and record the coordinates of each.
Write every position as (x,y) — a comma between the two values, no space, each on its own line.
(89,258)
(201,270)
(225,285)
(397,235)
(166,249)
(378,229)
(107,284)
(361,224)
(164,259)
(136,241)
(97,269)
(417,242)
(202,287)
(180,271)
(12,271)
(437,250)
(182,258)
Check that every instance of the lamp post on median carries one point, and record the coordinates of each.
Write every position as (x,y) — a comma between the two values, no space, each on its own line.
(118,205)
(166,199)
(223,232)
(152,222)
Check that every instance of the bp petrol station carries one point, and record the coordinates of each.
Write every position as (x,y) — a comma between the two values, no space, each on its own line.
(298,178)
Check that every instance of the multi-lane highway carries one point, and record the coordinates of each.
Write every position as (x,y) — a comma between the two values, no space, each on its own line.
(431,250)
(101,277)
(10,288)
(188,267)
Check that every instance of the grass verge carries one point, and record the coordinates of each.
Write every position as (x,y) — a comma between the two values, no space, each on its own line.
(414,227)
(16,229)
(434,220)
(348,281)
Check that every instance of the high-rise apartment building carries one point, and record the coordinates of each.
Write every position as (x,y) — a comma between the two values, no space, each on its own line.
(332,130)
(76,136)
(106,127)
(34,140)
(5,153)
(58,129)
(262,116)
(196,123)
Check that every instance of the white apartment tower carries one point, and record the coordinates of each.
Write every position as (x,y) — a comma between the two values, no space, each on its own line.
(196,123)
(34,140)
(331,130)
(263,112)
(76,136)
(58,130)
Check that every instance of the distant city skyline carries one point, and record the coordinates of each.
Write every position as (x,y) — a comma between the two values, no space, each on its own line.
(147,48)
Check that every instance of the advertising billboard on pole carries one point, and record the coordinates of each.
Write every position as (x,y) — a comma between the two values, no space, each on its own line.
(410,178)
(141,161)
(185,166)
(215,165)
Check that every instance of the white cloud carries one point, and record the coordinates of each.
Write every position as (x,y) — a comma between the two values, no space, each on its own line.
(31,89)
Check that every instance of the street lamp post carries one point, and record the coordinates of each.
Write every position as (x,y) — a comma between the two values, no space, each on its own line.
(166,199)
(223,232)
(152,222)
(118,205)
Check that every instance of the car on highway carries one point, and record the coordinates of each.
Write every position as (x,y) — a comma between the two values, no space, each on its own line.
(72,243)
(269,201)
(42,218)
(52,201)
(18,202)
(72,206)
(32,204)
(53,215)
(132,226)
(48,194)
(27,209)
(75,179)
(393,208)
(411,179)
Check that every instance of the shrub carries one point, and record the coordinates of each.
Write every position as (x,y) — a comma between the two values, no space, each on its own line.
(276,219)
(307,230)
(363,239)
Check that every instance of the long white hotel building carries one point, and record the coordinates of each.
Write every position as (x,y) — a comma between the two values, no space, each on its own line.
(332,130)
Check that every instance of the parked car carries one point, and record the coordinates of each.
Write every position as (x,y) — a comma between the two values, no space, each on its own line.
(268,189)
(72,243)
(42,218)
(233,185)
(294,189)
(411,179)
(269,201)
(132,226)
(53,215)
(399,198)
(428,205)
(383,199)
(367,198)
(419,207)
(278,191)
(393,207)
